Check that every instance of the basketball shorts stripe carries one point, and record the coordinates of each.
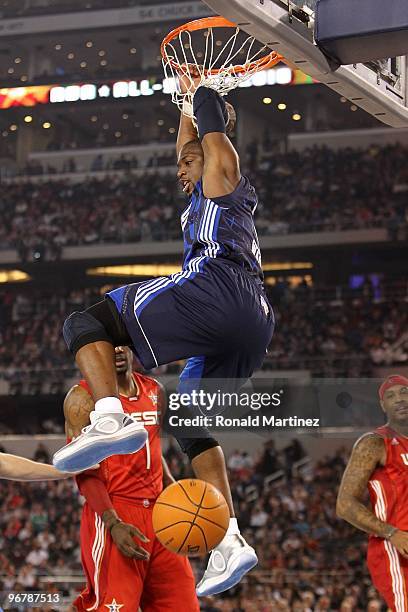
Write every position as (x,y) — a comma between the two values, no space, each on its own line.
(389,573)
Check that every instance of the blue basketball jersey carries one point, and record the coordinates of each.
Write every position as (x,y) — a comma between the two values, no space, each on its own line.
(221,228)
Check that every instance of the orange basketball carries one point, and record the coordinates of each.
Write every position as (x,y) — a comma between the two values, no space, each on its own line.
(190,517)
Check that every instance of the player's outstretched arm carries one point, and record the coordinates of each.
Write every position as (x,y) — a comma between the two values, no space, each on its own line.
(78,405)
(221,173)
(13,467)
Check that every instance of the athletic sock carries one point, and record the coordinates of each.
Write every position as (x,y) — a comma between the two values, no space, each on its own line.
(233,528)
(108,405)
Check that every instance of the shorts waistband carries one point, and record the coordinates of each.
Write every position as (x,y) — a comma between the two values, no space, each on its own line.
(143,502)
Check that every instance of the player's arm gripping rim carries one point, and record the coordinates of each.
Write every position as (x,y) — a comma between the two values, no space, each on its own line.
(221,173)
(78,405)
(215,119)
(368,453)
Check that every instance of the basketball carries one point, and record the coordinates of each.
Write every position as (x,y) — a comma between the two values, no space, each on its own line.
(190,517)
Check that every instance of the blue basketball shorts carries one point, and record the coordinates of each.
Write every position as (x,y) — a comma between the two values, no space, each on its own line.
(218,318)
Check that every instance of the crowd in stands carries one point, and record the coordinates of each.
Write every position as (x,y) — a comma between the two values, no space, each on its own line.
(341,336)
(328,333)
(308,558)
(314,190)
(99,164)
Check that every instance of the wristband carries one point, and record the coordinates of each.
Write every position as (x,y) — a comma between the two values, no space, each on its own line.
(210,111)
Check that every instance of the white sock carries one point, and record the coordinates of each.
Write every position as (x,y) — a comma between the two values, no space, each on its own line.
(233,528)
(108,405)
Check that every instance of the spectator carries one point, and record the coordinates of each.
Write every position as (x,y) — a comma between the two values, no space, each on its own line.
(41,454)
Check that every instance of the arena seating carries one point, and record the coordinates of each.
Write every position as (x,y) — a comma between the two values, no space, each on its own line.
(316,190)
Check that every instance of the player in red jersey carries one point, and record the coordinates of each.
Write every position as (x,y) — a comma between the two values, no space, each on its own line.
(123,574)
(379,462)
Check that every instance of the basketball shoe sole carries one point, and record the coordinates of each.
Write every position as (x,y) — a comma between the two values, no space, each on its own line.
(111,434)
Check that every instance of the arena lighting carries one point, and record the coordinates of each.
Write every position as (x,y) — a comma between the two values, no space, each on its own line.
(293,281)
(13,276)
(282,106)
(267,100)
(287,265)
(135,270)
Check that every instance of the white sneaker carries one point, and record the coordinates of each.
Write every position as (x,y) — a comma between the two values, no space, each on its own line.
(114,433)
(228,564)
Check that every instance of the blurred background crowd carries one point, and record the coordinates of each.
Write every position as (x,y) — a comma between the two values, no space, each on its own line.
(316,190)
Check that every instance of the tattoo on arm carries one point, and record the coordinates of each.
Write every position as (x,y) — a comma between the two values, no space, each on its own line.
(367,454)
(78,405)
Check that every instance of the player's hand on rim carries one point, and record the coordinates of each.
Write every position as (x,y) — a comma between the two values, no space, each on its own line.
(400,540)
(123,534)
(190,78)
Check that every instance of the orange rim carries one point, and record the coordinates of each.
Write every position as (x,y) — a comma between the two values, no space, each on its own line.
(267,61)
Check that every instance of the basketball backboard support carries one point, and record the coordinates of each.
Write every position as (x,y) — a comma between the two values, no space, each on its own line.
(380,87)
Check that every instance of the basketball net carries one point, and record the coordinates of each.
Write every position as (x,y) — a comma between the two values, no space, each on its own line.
(221,67)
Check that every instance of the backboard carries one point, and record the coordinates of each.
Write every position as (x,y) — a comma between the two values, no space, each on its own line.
(379,87)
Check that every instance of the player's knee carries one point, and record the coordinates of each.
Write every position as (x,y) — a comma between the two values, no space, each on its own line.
(81,328)
(195,446)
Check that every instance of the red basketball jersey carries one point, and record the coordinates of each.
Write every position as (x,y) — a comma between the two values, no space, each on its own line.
(140,475)
(388,485)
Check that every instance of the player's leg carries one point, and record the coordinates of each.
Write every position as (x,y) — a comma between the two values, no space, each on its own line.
(111,577)
(134,315)
(233,558)
(91,336)
(169,583)
(389,573)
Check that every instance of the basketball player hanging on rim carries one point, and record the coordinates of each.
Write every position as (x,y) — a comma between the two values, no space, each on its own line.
(214,312)
(379,462)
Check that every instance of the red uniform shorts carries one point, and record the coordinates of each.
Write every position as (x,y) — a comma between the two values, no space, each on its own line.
(389,573)
(165,583)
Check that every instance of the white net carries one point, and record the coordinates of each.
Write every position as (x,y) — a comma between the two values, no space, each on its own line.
(216,57)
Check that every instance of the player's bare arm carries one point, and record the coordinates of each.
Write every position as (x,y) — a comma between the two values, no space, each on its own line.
(186,133)
(368,453)
(13,467)
(78,405)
